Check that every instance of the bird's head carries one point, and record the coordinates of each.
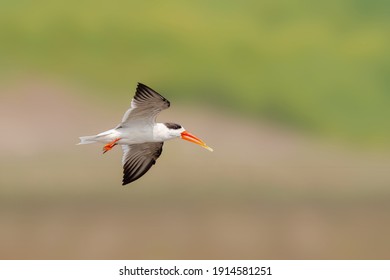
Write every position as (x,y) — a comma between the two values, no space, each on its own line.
(176,130)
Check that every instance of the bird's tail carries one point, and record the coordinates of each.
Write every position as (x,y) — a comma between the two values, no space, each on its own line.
(87,140)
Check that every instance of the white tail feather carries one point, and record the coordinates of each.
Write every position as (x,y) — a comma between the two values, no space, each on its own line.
(87,140)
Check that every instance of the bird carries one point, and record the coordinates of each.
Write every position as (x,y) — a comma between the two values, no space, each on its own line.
(140,136)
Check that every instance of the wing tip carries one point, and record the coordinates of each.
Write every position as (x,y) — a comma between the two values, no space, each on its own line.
(144,88)
(126,181)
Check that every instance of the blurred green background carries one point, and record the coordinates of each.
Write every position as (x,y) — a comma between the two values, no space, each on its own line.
(292,95)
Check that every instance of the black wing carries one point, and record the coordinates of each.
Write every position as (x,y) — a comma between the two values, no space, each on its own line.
(138,159)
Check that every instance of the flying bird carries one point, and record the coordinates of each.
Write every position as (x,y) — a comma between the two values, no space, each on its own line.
(140,136)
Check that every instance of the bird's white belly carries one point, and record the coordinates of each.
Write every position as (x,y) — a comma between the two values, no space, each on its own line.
(133,136)
(130,135)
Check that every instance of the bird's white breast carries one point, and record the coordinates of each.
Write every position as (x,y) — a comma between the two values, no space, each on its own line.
(145,133)
(134,134)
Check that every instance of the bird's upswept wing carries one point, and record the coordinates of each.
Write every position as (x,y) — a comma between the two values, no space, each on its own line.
(138,159)
(145,106)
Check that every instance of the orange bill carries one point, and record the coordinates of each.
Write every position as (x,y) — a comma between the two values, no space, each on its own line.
(192,138)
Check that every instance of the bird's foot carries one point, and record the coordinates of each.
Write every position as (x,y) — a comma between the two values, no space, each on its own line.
(110,145)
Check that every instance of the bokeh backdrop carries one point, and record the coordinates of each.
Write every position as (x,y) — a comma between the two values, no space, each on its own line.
(292,95)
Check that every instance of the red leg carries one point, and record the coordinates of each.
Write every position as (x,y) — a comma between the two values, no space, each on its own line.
(110,145)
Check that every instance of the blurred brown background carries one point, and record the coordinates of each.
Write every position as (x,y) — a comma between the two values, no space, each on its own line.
(292,95)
